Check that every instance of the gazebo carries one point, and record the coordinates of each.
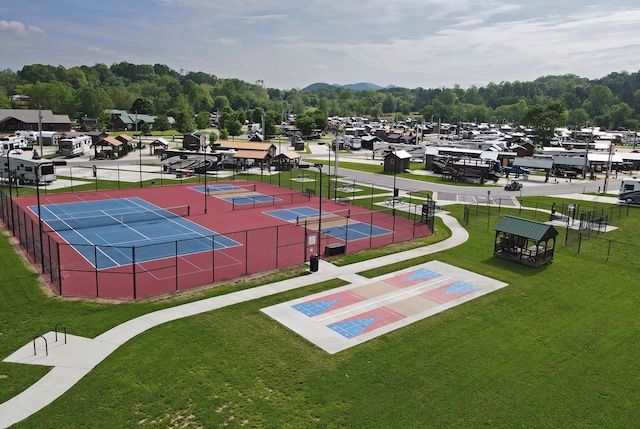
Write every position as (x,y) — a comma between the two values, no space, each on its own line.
(525,241)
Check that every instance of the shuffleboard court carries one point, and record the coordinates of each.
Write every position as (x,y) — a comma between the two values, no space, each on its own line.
(350,315)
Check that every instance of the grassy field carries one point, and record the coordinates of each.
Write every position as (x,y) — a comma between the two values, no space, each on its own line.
(556,348)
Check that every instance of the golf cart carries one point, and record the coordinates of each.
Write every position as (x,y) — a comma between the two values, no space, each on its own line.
(513,186)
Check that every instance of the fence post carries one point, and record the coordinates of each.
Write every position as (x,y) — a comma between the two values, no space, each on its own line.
(95,265)
(246,252)
(277,243)
(177,270)
(59,267)
(133,270)
(213,258)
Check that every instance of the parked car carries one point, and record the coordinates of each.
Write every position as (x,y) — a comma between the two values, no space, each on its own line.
(515,170)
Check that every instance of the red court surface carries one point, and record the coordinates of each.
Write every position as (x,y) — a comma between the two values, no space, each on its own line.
(235,212)
(350,315)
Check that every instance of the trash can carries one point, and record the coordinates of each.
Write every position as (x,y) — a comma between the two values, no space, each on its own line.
(314,262)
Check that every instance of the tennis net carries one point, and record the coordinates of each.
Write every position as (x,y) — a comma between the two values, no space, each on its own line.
(230,190)
(106,218)
(326,220)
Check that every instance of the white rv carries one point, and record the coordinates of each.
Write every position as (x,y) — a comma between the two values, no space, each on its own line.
(12,142)
(20,167)
(49,138)
(74,146)
(630,191)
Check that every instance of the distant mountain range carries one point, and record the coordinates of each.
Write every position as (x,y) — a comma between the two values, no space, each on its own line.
(353,86)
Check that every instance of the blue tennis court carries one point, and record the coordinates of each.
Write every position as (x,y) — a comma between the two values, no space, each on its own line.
(335,226)
(115,232)
(221,187)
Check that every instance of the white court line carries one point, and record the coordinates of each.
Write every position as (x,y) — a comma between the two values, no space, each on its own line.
(410,291)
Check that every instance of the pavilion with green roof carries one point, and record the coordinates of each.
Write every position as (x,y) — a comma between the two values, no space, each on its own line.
(525,241)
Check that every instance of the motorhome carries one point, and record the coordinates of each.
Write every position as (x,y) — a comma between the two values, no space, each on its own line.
(21,167)
(417,151)
(186,160)
(630,191)
(74,146)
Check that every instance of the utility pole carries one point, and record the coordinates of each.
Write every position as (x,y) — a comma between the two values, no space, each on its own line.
(40,128)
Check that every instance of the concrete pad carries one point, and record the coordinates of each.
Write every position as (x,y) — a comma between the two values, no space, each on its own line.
(350,315)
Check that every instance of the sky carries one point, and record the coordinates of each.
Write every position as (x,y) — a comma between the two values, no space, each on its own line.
(292,44)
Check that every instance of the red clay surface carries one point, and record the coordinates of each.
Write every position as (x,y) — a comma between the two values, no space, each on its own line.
(267,243)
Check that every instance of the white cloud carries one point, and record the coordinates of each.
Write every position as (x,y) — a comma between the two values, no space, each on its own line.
(227,41)
(100,51)
(19,28)
(264,18)
(427,43)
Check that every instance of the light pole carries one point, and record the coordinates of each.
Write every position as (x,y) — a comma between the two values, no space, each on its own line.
(13,227)
(139,150)
(488,208)
(39,215)
(205,180)
(394,161)
(140,159)
(319,167)
(335,169)
(608,172)
(40,129)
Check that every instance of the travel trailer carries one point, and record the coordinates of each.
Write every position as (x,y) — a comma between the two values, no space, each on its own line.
(12,142)
(49,138)
(74,146)
(20,167)
(630,191)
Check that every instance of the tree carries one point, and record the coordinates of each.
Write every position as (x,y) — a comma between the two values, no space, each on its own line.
(143,105)
(234,128)
(161,123)
(5,103)
(57,96)
(545,120)
(203,120)
(104,121)
(272,118)
(213,137)
(599,100)
(619,115)
(184,122)
(578,117)
(93,101)
(305,124)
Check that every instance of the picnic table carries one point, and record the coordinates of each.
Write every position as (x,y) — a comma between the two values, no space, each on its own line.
(394,201)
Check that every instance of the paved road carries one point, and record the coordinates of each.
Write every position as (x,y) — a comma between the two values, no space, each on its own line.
(534,185)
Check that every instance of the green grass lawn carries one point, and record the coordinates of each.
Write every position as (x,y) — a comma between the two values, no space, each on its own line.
(556,348)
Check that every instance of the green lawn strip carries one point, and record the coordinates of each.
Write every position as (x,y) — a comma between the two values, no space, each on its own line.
(553,349)
(25,312)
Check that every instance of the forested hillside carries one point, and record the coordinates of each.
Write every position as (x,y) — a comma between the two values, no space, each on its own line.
(610,102)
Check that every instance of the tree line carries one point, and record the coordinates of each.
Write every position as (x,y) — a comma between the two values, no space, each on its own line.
(611,102)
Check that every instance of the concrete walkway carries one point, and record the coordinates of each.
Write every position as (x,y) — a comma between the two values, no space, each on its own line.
(76,358)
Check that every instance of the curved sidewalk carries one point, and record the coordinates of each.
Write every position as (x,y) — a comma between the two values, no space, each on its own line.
(79,356)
